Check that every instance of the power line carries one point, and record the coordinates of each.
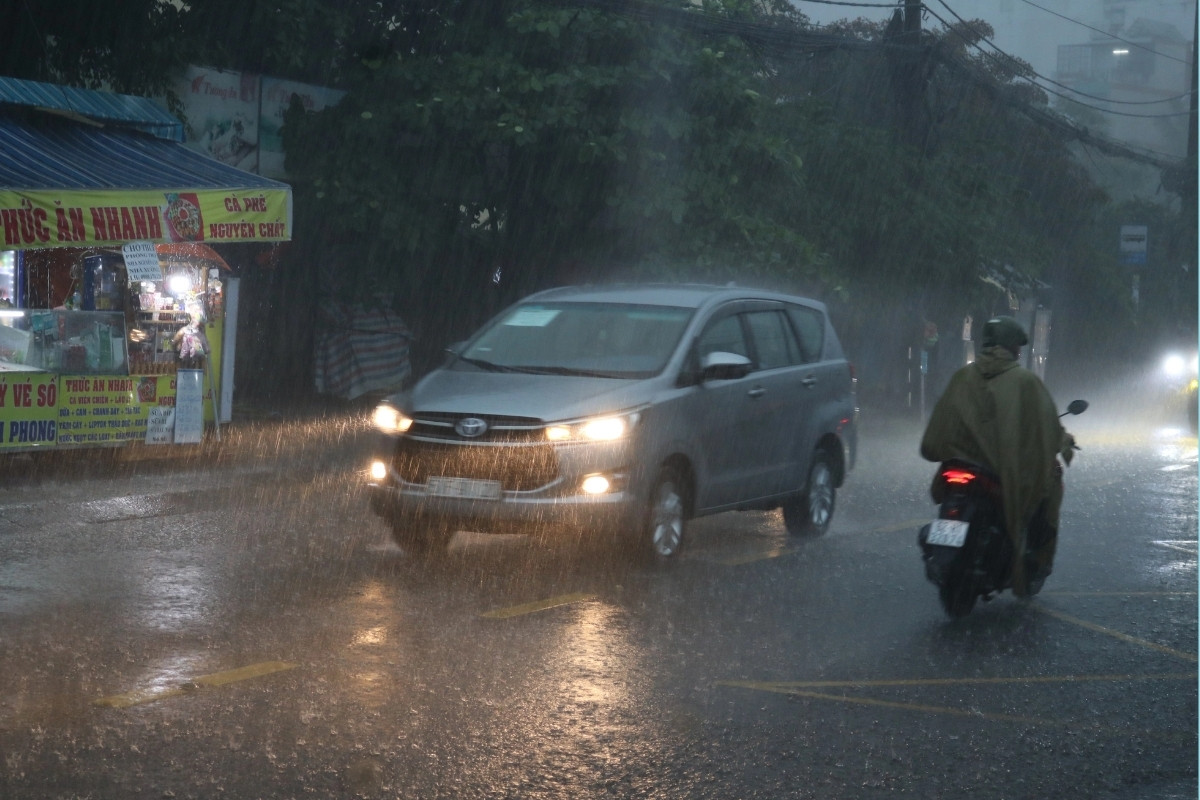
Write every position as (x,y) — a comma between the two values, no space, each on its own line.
(854,5)
(785,41)
(1106,33)
(1056,122)
(1038,75)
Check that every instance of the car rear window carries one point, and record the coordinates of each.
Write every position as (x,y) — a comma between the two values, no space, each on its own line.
(810,327)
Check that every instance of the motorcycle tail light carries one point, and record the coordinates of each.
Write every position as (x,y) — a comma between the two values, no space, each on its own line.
(959,477)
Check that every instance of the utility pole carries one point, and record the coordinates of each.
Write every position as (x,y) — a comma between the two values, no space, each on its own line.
(912,20)
(907,60)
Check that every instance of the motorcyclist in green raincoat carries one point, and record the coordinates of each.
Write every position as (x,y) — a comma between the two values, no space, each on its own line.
(999,414)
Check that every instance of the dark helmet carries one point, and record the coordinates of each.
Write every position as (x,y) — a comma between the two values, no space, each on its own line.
(1005,332)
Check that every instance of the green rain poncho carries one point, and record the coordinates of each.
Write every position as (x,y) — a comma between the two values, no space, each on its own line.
(1000,415)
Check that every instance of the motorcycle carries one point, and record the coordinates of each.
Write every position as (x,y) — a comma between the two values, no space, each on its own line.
(967,552)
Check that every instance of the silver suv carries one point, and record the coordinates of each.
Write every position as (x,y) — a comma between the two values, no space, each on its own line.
(622,411)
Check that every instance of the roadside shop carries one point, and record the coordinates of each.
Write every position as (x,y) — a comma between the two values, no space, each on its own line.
(117,311)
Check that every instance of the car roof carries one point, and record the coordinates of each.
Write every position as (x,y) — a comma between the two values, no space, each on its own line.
(662,294)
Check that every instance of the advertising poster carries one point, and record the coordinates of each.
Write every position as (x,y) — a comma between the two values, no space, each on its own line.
(99,410)
(222,115)
(160,425)
(29,412)
(85,218)
(156,398)
(189,406)
(108,410)
(237,117)
(276,96)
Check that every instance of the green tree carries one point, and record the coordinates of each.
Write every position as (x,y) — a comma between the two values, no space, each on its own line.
(487,149)
(540,142)
(128,46)
(912,222)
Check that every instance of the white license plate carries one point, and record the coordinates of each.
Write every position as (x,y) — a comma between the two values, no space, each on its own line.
(948,532)
(463,487)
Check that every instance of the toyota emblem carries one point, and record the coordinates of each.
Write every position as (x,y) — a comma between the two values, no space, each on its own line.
(470,427)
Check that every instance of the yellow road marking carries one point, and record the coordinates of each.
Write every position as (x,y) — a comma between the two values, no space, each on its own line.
(750,558)
(1068,593)
(139,696)
(1163,676)
(870,701)
(792,688)
(1183,545)
(538,605)
(1116,634)
(911,524)
(776,552)
(242,673)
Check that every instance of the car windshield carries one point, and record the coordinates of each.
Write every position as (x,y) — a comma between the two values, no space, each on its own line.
(606,340)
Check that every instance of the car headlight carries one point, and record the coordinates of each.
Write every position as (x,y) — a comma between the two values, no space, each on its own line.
(1174,365)
(389,419)
(596,429)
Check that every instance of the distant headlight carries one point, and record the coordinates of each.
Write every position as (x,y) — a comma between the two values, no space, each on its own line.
(1174,365)
(597,429)
(389,419)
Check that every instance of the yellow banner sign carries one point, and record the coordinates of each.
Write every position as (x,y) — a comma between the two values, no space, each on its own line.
(28,410)
(45,410)
(84,218)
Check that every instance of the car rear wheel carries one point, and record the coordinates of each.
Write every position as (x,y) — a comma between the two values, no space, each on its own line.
(666,517)
(810,513)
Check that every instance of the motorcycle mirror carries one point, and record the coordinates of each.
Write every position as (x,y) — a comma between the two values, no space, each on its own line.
(1077,407)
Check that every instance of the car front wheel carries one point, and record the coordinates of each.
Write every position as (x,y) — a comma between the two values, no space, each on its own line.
(666,516)
(810,513)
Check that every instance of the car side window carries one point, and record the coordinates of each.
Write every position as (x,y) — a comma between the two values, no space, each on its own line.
(774,341)
(810,325)
(725,335)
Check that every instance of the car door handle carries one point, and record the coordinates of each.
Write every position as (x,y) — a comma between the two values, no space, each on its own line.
(808,382)
(756,392)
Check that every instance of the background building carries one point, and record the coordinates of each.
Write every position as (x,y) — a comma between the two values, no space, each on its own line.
(1129,62)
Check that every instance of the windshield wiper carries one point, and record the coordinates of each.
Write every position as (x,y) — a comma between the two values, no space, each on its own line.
(542,370)
(582,373)
(488,365)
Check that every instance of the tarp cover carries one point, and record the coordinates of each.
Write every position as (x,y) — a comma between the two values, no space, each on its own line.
(191,252)
(131,111)
(360,350)
(68,183)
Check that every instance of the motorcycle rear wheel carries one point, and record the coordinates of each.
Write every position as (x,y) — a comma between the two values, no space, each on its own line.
(958,598)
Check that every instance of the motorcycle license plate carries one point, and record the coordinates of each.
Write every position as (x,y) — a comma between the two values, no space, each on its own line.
(948,532)
(462,487)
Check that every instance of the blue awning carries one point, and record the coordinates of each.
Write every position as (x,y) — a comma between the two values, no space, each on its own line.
(53,153)
(130,111)
(69,183)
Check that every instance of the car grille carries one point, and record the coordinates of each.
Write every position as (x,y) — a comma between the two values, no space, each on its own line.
(508,430)
(513,451)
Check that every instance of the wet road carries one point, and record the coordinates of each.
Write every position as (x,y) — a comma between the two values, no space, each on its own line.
(239,625)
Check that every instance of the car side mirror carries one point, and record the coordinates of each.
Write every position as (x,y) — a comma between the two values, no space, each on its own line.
(451,352)
(721,366)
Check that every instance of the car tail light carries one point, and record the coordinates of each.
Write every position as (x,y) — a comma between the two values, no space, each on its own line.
(959,477)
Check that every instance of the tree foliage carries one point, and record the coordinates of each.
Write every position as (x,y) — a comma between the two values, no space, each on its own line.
(129,46)
(526,143)
(483,150)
